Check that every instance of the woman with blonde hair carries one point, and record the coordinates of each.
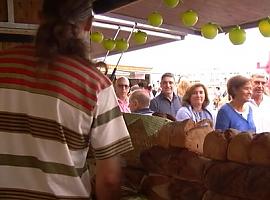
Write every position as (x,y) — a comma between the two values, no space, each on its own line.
(182,86)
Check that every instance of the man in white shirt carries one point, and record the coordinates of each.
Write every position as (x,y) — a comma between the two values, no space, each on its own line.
(260,102)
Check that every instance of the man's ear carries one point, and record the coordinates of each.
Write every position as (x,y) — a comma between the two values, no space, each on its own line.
(88,24)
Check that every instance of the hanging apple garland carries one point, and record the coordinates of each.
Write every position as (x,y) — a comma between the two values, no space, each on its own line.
(155,19)
(121,44)
(264,27)
(237,35)
(172,3)
(140,37)
(209,30)
(189,18)
(96,37)
(109,44)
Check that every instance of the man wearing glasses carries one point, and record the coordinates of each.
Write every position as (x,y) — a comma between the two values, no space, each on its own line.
(121,90)
(260,102)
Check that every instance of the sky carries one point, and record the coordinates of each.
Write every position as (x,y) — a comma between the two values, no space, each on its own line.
(196,53)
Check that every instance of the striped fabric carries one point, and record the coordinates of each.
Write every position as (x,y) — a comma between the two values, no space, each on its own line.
(48,120)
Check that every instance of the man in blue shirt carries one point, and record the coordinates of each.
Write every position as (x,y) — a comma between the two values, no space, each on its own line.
(167,101)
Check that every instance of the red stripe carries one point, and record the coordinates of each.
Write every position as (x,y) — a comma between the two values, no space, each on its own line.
(56,68)
(18,61)
(77,76)
(87,69)
(47,87)
(106,81)
(49,77)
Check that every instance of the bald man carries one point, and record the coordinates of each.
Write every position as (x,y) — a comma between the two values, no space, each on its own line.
(139,102)
(121,90)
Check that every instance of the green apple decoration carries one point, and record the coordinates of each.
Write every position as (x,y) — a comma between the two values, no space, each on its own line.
(237,35)
(189,18)
(96,37)
(140,37)
(264,27)
(209,30)
(121,45)
(155,19)
(171,3)
(109,44)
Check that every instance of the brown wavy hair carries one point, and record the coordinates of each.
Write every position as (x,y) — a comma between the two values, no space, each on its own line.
(189,92)
(59,31)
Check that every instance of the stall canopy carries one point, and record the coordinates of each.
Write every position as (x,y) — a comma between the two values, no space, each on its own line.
(18,19)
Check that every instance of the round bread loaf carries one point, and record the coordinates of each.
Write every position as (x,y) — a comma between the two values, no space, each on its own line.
(239,146)
(215,145)
(259,153)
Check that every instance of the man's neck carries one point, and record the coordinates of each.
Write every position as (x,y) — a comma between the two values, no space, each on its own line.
(168,96)
(258,99)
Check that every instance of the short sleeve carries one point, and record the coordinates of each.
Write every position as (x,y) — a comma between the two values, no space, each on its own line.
(222,120)
(109,134)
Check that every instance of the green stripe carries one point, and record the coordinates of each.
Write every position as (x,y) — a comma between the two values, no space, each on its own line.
(107,116)
(42,128)
(114,145)
(11,193)
(33,162)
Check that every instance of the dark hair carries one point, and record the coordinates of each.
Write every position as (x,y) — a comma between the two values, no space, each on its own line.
(189,92)
(235,83)
(167,75)
(59,30)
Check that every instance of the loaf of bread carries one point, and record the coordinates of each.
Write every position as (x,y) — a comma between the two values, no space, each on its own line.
(216,144)
(194,138)
(239,147)
(175,162)
(259,153)
(170,132)
(238,180)
(210,195)
(186,190)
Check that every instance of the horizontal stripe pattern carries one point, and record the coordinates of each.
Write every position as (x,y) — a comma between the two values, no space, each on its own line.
(77,87)
(42,128)
(118,147)
(48,121)
(34,180)
(47,167)
(109,132)
(45,107)
(9,193)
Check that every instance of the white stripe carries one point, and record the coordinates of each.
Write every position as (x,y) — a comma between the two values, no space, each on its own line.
(45,150)
(34,179)
(108,133)
(115,129)
(45,107)
(106,100)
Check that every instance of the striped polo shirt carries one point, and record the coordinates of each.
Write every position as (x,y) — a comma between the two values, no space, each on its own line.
(48,121)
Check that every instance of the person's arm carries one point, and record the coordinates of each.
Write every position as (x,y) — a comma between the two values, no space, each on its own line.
(108,179)
(154,105)
(222,120)
(109,138)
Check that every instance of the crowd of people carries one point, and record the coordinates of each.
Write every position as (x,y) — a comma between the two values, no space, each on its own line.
(243,109)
